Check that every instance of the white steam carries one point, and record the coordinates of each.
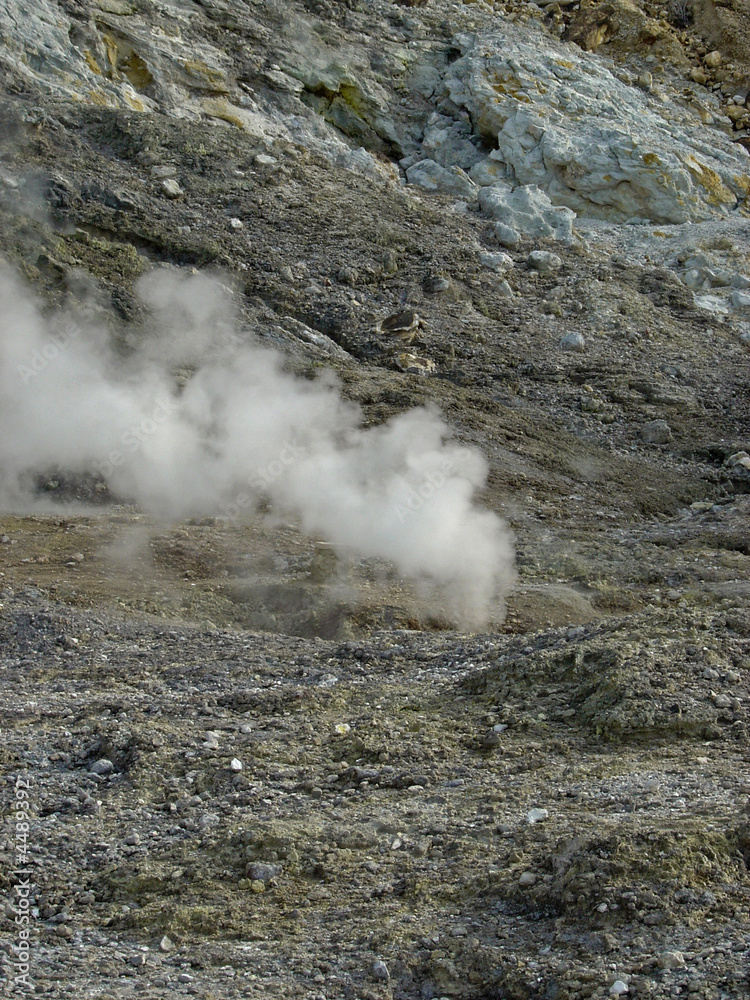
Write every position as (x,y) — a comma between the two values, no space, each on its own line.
(240,430)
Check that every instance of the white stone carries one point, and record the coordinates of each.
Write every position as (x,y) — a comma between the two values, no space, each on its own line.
(448,142)
(544,261)
(235,764)
(490,170)
(656,432)
(671,960)
(431,176)
(528,210)
(618,987)
(171,188)
(506,235)
(497,261)
(573,342)
(537,815)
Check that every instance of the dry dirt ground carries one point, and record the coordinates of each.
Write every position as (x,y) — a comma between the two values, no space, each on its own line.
(256,768)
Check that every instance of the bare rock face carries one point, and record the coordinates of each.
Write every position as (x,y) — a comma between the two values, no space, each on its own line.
(563,122)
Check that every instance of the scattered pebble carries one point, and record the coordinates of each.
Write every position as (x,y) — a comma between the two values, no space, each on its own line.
(171,188)
(435,284)
(506,235)
(497,261)
(656,432)
(573,342)
(544,261)
(537,815)
(671,960)
(161,171)
(380,971)
(260,871)
(102,767)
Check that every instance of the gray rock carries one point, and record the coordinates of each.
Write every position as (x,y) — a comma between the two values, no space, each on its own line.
(573,341)
(544,261)
(432,176)
(171,188)
(537,816)
(163,171)
(527,210)
(506,235)
(433,285)
(448,142)
(103,767)
(380,971)
(656,432)
(671,960)
(497,261)
(259,871)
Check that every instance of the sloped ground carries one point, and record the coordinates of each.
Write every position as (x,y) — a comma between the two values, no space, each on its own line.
(381,813)
(231,814)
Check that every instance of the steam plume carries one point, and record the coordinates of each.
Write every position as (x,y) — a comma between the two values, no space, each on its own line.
(240,430)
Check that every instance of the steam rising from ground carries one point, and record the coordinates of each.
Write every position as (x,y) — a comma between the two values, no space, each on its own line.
(240,430)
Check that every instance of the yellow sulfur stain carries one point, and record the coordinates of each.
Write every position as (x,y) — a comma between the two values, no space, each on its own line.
(99,98)
(110,46)
(93,65)
(709,180)
(134,103)
(224,112)
(205,76)
(651,160)
(125,61)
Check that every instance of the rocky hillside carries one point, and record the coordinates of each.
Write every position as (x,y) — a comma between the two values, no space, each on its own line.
(374,474)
